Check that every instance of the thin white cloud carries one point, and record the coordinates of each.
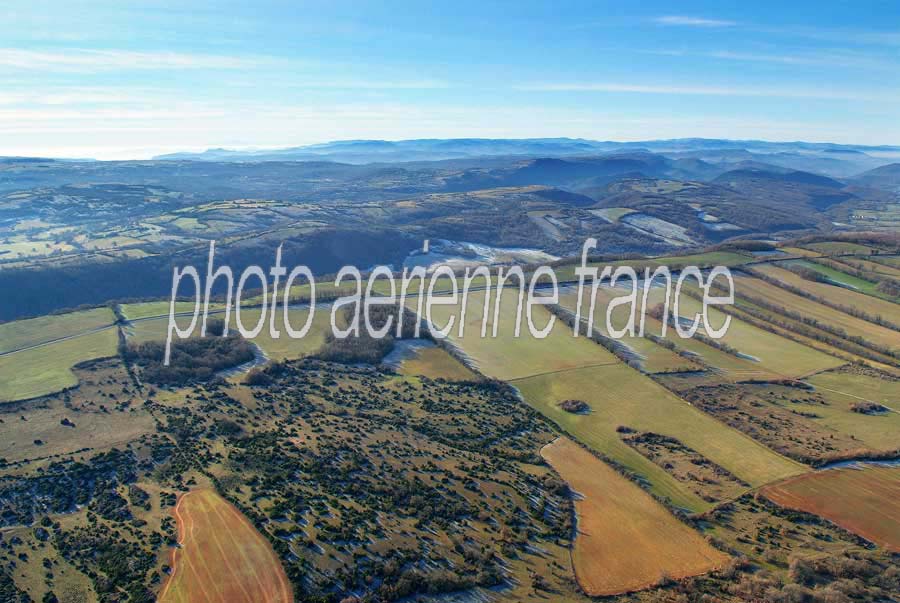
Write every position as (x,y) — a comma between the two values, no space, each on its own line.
(846,36)
(68,96)
(90,61)
(699,90)
(824,58)
(688,21)
(372,84)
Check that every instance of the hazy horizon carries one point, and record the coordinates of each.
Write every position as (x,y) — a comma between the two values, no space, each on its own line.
(128,156)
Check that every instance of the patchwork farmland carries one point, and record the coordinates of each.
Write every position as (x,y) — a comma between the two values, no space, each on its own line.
(623,470)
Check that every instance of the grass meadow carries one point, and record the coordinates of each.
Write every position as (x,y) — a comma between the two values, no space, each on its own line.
(46,369)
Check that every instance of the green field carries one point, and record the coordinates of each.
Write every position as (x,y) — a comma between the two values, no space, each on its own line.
(746,338)
(889,260)
(508,357)
(613,214)
(701,260)
(809,253)
(284,347)
(561,367)
(880,270)
(759,289)
(47,369)
(767,353)
(841,390)
(654,358)
(160,308)
(728,364)
(771,352)
(154,329)
(837,276)
(34,331)
(840,248)
(621,396)
(837,295)
(324,289)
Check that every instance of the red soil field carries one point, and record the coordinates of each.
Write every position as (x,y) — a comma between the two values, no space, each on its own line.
(864,500)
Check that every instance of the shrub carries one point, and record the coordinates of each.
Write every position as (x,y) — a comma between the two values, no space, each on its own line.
(191,360)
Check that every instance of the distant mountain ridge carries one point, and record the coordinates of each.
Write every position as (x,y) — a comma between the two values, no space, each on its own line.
(461,147)
(886,177)
(834,160)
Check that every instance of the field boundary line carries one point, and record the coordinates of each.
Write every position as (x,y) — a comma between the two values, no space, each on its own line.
(565,370)
(178,518)
(57,340)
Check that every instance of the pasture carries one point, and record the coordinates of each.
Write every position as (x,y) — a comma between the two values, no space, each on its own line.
(509,357)
(153,329)
(887,260)
(657,359)
(759,289)
(92,417)
(48,368)
(701,260)
(873,266)
(222,558)
(35,331)
(626,540)
(283,347)
(864,499)
(842,390)
(151,309)
(728,365)
(612,214)
(838,276)
(801,252)
(840,248)
(767,350)
(869,304)
(654,358)
(435,363)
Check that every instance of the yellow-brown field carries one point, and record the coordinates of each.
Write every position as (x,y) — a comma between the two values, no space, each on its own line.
(625,540)
(436,363)
(222,558)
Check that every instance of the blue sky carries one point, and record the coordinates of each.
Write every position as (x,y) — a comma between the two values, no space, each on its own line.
(132,79)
